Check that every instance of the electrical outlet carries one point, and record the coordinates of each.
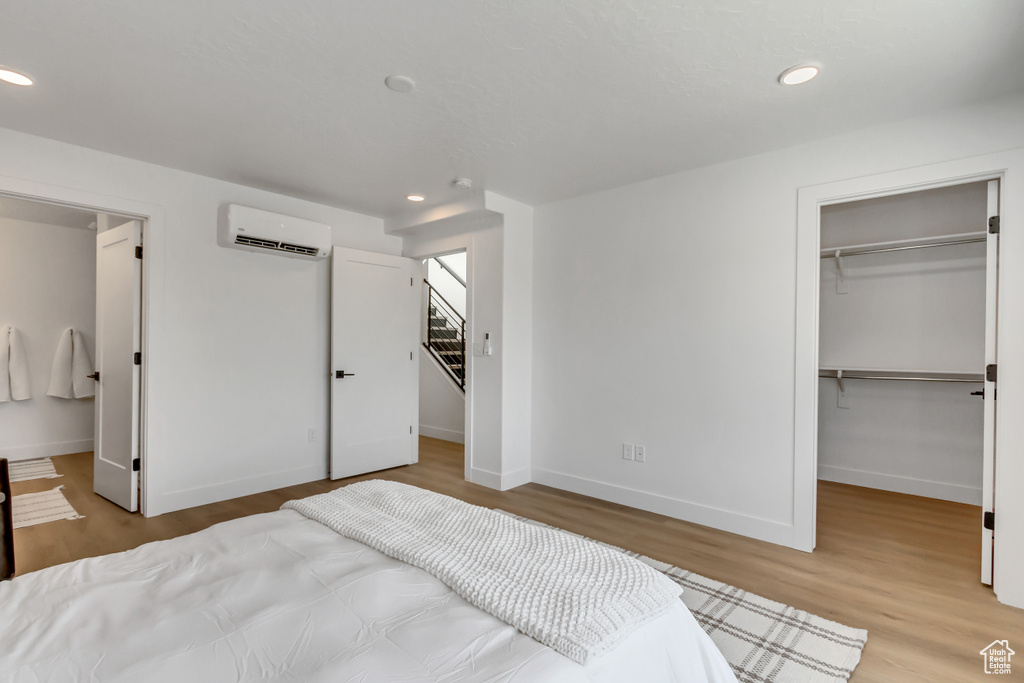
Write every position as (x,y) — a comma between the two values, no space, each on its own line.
(311,434)
(627,451)
(641,454)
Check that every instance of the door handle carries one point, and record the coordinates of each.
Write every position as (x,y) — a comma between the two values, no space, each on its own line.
(978,393)
(95,376)
(341,374)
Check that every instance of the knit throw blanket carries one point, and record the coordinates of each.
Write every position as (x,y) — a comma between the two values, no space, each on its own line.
(573,595)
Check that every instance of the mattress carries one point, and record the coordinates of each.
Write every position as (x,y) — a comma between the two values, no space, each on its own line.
(279,597)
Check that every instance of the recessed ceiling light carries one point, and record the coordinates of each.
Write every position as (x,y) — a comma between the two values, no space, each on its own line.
(14,78)
(415,198)
(795,75)
(401,84)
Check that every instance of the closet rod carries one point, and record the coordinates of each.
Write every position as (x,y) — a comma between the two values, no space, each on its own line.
(879,250)
(895,378)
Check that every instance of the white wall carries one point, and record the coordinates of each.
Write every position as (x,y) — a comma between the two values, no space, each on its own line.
(664,315)
(497,235)
(47,284)
(442,403)
(911,310)
(236,359)
(446,285)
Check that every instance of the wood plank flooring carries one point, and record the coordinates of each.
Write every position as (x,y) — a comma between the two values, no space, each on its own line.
(905,568)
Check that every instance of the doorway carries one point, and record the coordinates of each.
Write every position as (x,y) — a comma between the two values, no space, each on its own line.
(79,399)
(904,344)
(932,367)
(443,356)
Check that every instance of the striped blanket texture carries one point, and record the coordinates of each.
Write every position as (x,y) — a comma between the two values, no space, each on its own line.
(30,509)
(40,468)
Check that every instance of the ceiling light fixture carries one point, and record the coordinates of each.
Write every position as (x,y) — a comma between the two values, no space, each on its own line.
(402,84)
(415,198)
(795,75)
(13,77)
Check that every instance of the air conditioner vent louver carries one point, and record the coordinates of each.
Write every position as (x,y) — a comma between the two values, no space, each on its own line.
(256,242)
(271,233)
(297,249)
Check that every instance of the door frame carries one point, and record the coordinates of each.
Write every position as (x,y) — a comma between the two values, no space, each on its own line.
(810,200)
(468,362)
(152,219)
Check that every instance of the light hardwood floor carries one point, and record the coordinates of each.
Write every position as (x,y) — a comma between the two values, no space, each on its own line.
(903,567)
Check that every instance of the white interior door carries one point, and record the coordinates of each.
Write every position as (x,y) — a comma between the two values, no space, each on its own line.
(118,312)
(375,367)
(989,458)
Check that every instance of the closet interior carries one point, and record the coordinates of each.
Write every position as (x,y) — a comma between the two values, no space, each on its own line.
(906,314)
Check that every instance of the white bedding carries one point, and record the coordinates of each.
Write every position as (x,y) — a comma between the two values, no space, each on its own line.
(577,597)
(278,597)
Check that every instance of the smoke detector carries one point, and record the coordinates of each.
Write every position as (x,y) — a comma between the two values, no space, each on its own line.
(464,183)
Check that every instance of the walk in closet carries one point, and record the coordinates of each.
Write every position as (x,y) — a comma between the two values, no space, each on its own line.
(906,332)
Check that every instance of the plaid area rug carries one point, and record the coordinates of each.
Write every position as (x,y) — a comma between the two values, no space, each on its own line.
(764,641)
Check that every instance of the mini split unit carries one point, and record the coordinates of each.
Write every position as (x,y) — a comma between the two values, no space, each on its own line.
(271,233)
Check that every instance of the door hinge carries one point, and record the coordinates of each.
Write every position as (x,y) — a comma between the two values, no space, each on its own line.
(990,373)
(410,282)
(410,429)
(138,358)
(993,225)
(138,252)
(989,521)
(136,463)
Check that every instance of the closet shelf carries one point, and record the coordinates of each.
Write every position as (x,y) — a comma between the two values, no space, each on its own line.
(903,245)
(889,374)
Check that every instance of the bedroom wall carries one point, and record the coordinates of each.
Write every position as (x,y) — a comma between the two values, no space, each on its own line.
(442,404)
(237,353)
(664,316)
(47,284)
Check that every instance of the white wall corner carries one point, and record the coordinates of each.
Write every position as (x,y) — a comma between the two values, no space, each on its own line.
(517,312)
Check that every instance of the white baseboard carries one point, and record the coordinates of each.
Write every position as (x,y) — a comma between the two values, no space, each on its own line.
(491,480)
(46,450)
(956,493)
(716,518)
(499,482)
(214,493)
(517,478)
(443,434)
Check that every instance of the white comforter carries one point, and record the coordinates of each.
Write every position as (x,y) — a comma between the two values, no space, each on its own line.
(577,597)
(278,597)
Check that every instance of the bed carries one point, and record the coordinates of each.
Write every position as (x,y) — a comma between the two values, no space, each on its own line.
(282,597)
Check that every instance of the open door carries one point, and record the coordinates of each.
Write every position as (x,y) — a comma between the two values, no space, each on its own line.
(375,364)
(118,313)
(989,458)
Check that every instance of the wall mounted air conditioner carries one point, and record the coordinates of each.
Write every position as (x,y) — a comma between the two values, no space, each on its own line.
(272,233)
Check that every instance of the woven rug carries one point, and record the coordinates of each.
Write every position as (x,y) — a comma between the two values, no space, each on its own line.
(41,468)
(764,641)
(30,509)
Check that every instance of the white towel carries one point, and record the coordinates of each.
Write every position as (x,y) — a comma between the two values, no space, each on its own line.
(14,381)
(69,374)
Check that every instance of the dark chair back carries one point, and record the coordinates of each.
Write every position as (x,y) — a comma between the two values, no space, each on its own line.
(7,522)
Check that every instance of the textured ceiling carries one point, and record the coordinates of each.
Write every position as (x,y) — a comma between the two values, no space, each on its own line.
(537,100)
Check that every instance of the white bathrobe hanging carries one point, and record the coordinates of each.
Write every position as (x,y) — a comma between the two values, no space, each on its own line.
(69,374)
(14,379)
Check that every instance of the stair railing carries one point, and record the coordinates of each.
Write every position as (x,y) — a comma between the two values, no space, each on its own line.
(446,335)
